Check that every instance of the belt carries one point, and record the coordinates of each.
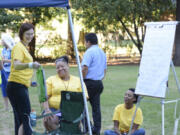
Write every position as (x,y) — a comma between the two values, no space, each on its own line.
(91,80)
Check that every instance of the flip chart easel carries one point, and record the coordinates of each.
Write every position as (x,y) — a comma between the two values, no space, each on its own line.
(155,64)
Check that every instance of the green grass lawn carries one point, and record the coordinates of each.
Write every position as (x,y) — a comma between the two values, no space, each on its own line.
(117,81)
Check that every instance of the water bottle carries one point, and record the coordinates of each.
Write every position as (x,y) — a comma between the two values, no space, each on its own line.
(33,84)
(33,118)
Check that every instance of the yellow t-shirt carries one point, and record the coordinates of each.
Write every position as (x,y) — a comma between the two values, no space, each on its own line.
(55,85)
(124,116)
(20,52)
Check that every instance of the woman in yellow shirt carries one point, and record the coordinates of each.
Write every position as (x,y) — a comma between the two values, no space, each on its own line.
(123,114)
(22,66)
(62,81)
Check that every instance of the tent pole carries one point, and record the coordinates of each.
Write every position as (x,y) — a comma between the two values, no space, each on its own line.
(79,67)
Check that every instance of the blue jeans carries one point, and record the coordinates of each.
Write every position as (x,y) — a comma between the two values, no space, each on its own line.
(4,81)
(53,110)
(140,131)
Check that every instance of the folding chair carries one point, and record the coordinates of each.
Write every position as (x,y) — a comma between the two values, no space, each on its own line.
(72,110)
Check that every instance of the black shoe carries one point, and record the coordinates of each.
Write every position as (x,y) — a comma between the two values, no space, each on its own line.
(95,132)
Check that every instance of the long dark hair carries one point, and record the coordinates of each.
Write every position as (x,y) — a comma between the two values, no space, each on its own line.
(25,27)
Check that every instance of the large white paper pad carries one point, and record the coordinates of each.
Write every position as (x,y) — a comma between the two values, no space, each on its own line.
(156,58)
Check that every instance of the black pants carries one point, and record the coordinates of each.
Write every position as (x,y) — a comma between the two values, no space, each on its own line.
(19,99)
(95,88)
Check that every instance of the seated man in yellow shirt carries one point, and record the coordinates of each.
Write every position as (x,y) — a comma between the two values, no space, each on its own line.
(123,114)
(62,81)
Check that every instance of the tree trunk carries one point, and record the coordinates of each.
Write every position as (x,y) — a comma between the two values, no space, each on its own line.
(176,58)
(138,45)
(81,37)
(70,47)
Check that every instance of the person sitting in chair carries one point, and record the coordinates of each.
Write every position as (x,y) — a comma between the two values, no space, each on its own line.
(123,114)
(63,81)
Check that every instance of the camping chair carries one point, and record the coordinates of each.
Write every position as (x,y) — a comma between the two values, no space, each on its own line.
(72,110)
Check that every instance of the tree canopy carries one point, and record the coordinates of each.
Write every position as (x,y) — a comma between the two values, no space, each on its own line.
(103,16)
(12,18)
(128,15)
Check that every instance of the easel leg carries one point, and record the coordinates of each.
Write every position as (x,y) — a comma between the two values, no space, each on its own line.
(176,126)
(175,75)
(176,122)
(137,105)
(162,105)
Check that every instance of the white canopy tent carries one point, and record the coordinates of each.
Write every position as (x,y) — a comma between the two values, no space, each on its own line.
(52,3)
